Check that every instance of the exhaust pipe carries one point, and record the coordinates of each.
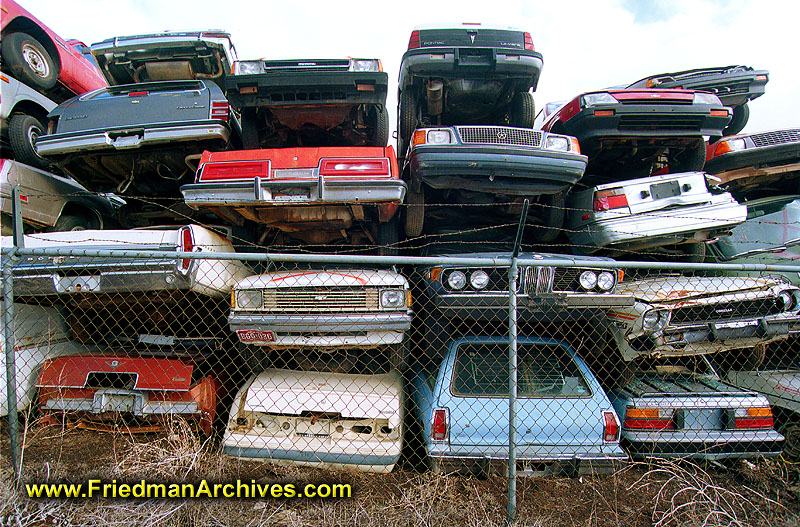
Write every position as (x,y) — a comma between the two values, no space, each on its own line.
(435,93)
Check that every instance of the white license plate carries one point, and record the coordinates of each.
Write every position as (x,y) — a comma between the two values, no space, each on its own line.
(312,428)
(737,324)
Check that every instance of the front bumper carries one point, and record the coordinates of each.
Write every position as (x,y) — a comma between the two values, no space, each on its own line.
(497,170)
(703,444)
(651,229)
(269,192)
(771,156)
(373,329)
(111,140)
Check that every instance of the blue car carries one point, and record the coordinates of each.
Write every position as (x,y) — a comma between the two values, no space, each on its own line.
(565,422)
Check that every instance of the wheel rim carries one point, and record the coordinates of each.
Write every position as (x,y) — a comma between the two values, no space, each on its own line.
(35,61)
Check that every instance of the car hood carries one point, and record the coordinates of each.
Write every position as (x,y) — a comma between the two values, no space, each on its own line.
(678,289)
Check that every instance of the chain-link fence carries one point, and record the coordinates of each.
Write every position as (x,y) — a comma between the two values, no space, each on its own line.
(468,362)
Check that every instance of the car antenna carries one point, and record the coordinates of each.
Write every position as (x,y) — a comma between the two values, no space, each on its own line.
(522,218)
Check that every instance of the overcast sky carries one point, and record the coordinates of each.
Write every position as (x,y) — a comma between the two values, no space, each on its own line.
(586,44)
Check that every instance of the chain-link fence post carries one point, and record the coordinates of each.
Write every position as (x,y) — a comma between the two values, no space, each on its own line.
(8,320)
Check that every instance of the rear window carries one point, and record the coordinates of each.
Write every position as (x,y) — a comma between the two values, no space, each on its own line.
(166,88)
(543,370)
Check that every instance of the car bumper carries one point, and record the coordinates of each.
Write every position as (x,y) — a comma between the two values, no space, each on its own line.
(450,62)
(562,463)
(671,226)
(529,308)
(745,86)
(132,138)
(497,170)
(773,156)
(267,192)
(715,444)
(307,88)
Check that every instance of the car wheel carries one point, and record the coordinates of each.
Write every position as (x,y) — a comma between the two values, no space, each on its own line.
(72,223)
(23,130)
(380,135)
(415,212)
(691,159)
(408,117)
(523,110)
(388,237)
(552,217)
(694,252)
(791,447)
(29,61)
(741,114)
(255,358)
(398,356)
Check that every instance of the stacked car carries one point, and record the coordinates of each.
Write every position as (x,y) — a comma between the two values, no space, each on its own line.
(217,155)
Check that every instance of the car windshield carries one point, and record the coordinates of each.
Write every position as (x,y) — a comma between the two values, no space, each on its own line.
(544,370)
(773,226)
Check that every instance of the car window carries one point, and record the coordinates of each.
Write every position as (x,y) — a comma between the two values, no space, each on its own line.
(771,225)
(543,370)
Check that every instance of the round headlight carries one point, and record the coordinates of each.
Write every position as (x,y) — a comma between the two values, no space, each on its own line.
(393,298)
(479,279)
(588,280)
(605,281)
(457,280)
(650,319)
(249,299)
(786,300)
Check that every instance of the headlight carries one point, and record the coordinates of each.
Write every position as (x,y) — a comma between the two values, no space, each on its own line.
(588,280)
(786,300)
(735,145)
(457,280)
(706,98)
(593,99)
(247,67)
(439,137)
(557,142)
(605,281)
(249,299)
(393,298)
(479,279)
(365,65)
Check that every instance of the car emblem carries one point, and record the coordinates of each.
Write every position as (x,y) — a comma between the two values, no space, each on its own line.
(320,298)
(472,37)
(655,95)
(725,310)
(113,364)
(501,135)
(134,101)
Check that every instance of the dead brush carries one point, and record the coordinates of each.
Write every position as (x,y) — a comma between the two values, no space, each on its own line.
(687,495)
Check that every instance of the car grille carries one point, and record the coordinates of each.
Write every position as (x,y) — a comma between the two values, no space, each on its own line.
(725,311)
(307,65)
(500,135)
(733,88)
(776,138)
(542,279)
(660,122)
(305,96)
(321,300)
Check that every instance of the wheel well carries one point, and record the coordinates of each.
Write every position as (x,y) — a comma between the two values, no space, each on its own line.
(26,25)
(31,108)
(76,209)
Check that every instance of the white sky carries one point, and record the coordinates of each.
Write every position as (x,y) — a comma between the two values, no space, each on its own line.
(586,44)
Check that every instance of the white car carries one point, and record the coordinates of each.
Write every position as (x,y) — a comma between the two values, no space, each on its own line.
(23,112)
(319,419)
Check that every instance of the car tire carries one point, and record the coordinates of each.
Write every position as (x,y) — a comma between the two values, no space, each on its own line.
(388,237)
(552,218)
(415,212)
(72,223)
(398,356)
(408,117)
(249,129)
(791,447)
(255,358)
(380,134)
(436,333)
(690,159)
(29,61)
(523,110)
(23,129)
(694,252)
(741,114)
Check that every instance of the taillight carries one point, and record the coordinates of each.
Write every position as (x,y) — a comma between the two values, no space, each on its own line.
(439,425)
(354,167)
(233,170)
(610,427)
(137,94)
(413,42)
(186,244)
(752,418)
(220,110)
(649,419)
(610,199)
(528,41)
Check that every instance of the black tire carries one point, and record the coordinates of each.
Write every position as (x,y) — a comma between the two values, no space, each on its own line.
(694,252)
(791,447)
(691,159)
(741,114)
(398,356)
(436,329)
(552,218)
(23,130)
(388,237)
(28,60)
(255,358)
(72,223)
(380,134)
(249,129)
(523,110)
(408,118)
(415,212)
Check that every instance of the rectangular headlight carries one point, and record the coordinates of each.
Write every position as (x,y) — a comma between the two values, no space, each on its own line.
(249,299)
(364,65)
(393,298)
(247,67)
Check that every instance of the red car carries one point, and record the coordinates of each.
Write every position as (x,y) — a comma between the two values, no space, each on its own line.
(35,55)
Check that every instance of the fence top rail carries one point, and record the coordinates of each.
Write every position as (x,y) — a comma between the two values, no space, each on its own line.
(505,261)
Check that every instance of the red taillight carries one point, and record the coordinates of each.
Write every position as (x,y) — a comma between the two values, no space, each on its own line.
(186,240)
(233,170)
(413,42)
(439,425)
(610,427)
(355,167)
(220,110)
(528,41)
(610,199)
(137,94)
(649,419)
(753,418)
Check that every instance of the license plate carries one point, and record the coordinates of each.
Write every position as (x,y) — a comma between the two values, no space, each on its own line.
(312,428)
(737,324)
(249,336)
(117,403)
(74,284)
(665,190)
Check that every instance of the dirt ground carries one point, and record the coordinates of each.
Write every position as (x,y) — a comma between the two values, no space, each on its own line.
(758,493)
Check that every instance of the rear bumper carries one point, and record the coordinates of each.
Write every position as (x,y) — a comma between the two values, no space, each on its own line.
(716,445)
(130,138)
(558,465)
(497,170)
(775,155)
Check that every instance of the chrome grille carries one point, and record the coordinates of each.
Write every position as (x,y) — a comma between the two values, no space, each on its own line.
(538,280)
(500,135)
(778,137)
(322,300)
(702,314)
